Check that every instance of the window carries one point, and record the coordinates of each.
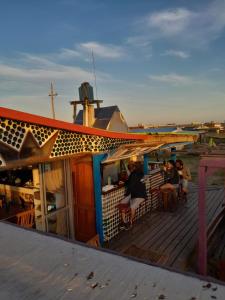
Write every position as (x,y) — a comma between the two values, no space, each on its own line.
(55,211)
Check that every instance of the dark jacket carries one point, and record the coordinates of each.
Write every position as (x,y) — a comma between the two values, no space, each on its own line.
(135,185)
(172,176)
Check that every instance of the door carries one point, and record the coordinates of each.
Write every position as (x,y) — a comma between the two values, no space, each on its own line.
(84,204)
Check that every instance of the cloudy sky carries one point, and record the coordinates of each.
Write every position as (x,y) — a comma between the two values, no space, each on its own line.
(159,61)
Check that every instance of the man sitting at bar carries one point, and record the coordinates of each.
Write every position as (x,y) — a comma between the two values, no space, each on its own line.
(135,193)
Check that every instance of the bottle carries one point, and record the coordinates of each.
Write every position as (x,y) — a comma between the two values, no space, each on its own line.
(109,180)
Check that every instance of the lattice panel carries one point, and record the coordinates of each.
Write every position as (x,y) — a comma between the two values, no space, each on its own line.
(72,143)
(42,134)
(13,133)
(110,213)
(155,181)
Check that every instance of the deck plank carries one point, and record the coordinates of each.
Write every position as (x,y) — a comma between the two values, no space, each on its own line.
(168,238)
(182,250)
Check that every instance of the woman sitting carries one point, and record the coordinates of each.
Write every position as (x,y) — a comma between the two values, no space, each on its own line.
(171,177)
(185,175)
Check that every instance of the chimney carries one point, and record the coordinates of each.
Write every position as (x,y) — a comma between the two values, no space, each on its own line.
(91,115)
(85,112)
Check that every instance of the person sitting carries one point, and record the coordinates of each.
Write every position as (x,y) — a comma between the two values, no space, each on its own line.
(185,175)
(171,177)
(135,193)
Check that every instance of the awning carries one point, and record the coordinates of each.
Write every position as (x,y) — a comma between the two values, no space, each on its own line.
(127,151)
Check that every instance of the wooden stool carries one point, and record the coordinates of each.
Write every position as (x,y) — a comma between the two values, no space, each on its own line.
(167,197)
(125,208)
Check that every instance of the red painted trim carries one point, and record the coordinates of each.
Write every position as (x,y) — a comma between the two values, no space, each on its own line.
(35,119)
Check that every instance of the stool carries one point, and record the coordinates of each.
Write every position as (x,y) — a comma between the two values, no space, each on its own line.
(125,208)
(1,203)
(167,196)
(182,196)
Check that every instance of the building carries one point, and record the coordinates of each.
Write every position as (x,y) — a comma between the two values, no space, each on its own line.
(56,162)
(108,118)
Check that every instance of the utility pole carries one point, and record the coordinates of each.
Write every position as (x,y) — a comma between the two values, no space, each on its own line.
(52,95)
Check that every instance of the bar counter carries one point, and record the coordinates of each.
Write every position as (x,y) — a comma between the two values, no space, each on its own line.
(110,200)
(12,192)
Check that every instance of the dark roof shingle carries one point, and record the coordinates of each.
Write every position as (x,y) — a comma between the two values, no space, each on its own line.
(103,116)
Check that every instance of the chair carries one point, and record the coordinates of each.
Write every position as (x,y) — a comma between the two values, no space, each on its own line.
(26,218)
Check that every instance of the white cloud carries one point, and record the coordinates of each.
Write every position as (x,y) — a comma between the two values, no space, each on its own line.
(138,41)
(172,78)
(103,50)
(33,67)
(170,22)
(192,28)
(56,72)
(68,53)
(176,53)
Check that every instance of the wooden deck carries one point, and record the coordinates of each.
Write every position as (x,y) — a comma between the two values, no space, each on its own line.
(168,238)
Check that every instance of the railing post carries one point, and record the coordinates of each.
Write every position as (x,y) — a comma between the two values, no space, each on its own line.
(202,230)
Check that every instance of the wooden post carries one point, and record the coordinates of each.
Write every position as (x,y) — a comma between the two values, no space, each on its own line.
(52,95)
(202,227)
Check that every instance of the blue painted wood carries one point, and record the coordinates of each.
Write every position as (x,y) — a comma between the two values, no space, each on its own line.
(146,158)
(98,194)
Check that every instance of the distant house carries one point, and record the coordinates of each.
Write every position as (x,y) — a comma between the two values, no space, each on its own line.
(108,118)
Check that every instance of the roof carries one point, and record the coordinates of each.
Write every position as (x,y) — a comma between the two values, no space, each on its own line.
(164,130)
(35,119)
(127,151)
(103,116)
(38,266)
(155,129)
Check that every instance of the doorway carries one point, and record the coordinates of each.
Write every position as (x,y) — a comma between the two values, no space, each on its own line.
(84,201)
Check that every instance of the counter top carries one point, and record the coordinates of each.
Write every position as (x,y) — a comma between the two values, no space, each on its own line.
(116,187)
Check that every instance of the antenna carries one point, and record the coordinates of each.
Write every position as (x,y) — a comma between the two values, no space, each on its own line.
(52,95)
(94,73)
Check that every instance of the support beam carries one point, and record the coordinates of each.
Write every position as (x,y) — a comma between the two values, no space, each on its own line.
(202,226)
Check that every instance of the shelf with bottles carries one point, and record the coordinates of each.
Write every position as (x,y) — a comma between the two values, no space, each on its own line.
(154,166)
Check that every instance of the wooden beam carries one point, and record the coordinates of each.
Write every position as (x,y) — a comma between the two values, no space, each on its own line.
(202,226)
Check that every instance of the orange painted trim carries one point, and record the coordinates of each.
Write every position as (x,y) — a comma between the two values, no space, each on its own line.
(62,125)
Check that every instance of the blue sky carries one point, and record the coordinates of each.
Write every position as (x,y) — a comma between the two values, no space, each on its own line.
(159,61)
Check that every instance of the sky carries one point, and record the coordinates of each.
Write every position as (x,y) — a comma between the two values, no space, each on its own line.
(160,61)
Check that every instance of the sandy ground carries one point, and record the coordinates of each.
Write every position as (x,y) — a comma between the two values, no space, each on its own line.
(192,162)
